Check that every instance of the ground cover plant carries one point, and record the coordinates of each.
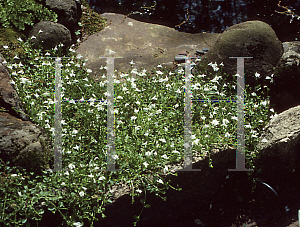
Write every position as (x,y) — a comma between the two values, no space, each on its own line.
(149,133)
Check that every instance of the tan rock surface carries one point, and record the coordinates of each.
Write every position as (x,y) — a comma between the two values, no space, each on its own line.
(146,44)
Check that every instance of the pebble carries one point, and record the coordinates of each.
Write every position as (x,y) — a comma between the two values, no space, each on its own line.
(180,58)
(203,51)
(200,52)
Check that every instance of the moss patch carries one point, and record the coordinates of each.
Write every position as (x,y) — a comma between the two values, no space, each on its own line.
(8,37)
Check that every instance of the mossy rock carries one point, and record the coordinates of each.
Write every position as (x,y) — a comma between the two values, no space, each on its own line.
(8,37)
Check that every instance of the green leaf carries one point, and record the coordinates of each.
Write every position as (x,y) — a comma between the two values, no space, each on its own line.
(147,206)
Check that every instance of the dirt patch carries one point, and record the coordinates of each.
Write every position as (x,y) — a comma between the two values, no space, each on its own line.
(146,44)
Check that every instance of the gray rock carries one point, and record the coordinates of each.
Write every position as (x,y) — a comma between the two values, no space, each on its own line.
(249,39)
(285,91)
(180,58)
(22,142)
(279,146)
(146,44)
(68,12)
(200,52)
(291,53)
(9,98)
(52,34)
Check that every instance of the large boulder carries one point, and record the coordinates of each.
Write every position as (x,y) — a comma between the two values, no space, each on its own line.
(22,142)
(146,44)
(68,12)
(285,93)
(9,99)
(49,34)
(64,31)
(279,147)
(249,39)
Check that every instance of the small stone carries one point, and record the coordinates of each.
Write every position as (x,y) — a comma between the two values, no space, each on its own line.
(205,49)
(200,52)
(180,58)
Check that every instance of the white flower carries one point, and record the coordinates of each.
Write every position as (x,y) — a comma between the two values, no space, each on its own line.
(145,164)
(196,141)
(225,122)
(257,74)
(139,191)
(132,62)
(40,31)
(75,131)
(5,47)
(214,66)
(268,78)
(76,148)
(264,140)
(102,178)
(162,140)
(133,117)
(77,224)
(23,80)
(160,181)
(234,118)
(115,157)
(148,153)
(71,166)
(158,111)
(81,193)
(264,103)
(227,134)
(33,37)
(165,156)
(215,122)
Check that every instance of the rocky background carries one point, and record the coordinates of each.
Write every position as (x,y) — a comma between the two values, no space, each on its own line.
(23,142)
